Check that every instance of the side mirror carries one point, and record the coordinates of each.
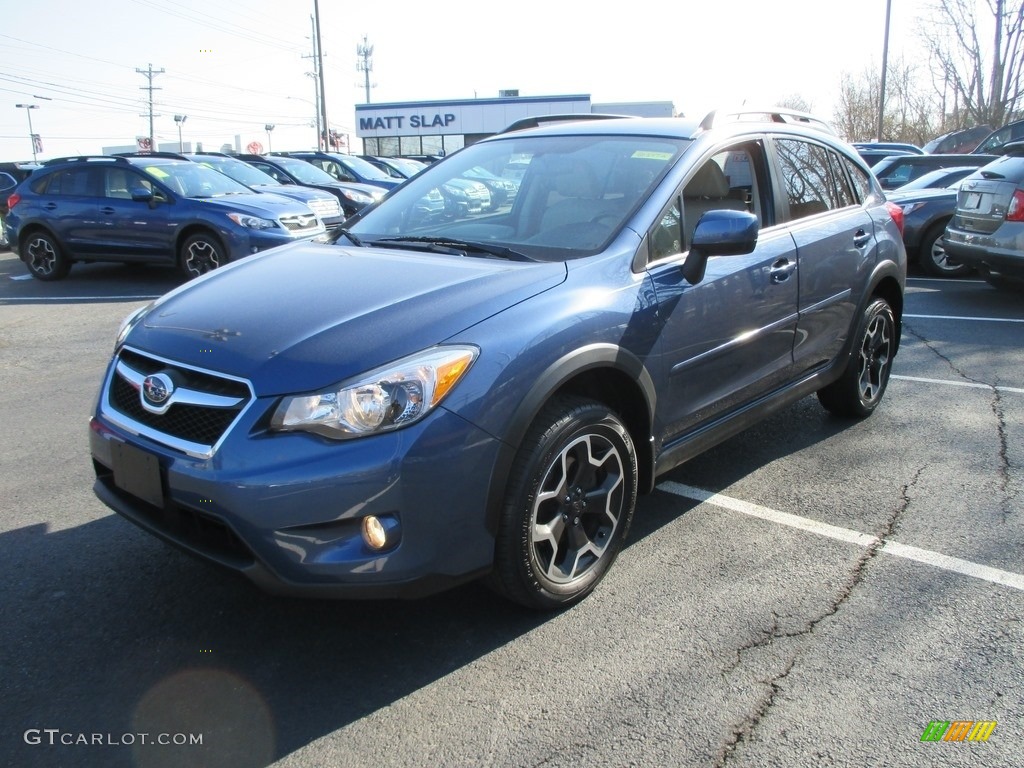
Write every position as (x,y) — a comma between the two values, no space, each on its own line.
(141,195)
(719,233)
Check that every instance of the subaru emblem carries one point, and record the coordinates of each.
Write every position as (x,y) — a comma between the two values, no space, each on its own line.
(157,389)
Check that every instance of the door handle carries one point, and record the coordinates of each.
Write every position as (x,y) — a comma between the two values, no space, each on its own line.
(781,270)
(50,206)
(106,209)
(861,238)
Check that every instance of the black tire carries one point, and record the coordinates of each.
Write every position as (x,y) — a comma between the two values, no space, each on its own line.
(201,253)
(932,256)
(1000,281)
(570,502)
(44,258)
(859,390)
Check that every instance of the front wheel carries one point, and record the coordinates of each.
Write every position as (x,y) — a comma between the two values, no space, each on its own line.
(570,502)
(859,390)
(201,253)
(933,257)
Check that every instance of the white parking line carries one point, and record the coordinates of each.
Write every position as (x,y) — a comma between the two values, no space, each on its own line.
(78,298)
(926,556)
(969,319)
(971,384)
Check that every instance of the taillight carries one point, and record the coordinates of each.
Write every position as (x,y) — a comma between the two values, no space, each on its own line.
(13,199)
(1016,210)
(897,215)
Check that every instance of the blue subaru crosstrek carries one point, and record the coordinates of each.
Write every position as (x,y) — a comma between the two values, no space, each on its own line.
(146,209)
(443,394)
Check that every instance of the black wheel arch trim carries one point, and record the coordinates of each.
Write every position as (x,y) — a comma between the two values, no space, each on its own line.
(559,376)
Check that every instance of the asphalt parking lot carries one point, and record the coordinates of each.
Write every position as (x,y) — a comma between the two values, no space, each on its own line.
(811,592)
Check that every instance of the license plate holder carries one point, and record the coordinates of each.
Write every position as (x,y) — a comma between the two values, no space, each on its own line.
(138,473)
(972,200)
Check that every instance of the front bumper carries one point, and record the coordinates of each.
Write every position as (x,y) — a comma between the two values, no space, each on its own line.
(286,510)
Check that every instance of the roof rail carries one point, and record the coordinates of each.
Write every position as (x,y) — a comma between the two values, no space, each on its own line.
(764,115)
(84,158)
(537,120)
(167,155)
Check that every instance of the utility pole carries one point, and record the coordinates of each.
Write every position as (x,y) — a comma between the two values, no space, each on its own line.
(315,74)
(365,64)
(885,68)
(320,68)
(150,74)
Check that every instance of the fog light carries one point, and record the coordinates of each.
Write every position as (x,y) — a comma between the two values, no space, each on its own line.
(373,532)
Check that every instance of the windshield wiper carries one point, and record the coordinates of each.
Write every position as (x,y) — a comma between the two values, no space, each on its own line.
(352,238)
(450,245)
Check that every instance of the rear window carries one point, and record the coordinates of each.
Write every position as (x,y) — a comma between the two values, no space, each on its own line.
(1009,168)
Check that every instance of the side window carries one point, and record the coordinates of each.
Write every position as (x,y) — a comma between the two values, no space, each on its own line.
(272,171)
(899,175)
(729,180)
(844,194)
(861,184)
(807,174)
(341,173)
(74,181)
(117,183)
(667,235)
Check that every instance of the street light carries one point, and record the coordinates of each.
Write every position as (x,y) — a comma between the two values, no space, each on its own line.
(179,119)
(268,128)
(31,133)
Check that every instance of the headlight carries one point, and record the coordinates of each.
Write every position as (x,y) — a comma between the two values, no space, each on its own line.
(909,208)
(357,197)
(382,400)
(252,222)
(129,323)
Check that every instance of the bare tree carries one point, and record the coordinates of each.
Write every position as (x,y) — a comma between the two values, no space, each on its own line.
(908,107)
(977,54)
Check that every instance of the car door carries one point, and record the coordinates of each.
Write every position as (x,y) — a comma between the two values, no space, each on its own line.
(133,229)
(728,339)
(68,205)
(834,236)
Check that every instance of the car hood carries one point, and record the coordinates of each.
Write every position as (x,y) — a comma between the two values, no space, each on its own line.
(305,316)
(294,192)
(257,204)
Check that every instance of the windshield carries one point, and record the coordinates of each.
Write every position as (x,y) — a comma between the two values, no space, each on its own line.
(405,166)
(241,172)
(363,168)
(565,196)
(194,180)
(305,172)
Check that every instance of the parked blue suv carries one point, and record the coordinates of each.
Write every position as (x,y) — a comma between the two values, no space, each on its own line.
(444,394)
(146,209)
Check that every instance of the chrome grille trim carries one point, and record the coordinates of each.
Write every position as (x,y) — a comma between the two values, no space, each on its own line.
(206,400)
(325,207)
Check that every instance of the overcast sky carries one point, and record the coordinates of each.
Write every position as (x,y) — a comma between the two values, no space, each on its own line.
(234,67)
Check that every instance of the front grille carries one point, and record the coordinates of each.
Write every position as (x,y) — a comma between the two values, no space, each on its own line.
(199,424)
(301,223)
(326,208)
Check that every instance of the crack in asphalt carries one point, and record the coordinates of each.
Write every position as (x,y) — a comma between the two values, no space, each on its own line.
(1007,493)
(742,731)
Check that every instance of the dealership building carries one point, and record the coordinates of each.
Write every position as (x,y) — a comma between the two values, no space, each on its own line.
(441,127)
